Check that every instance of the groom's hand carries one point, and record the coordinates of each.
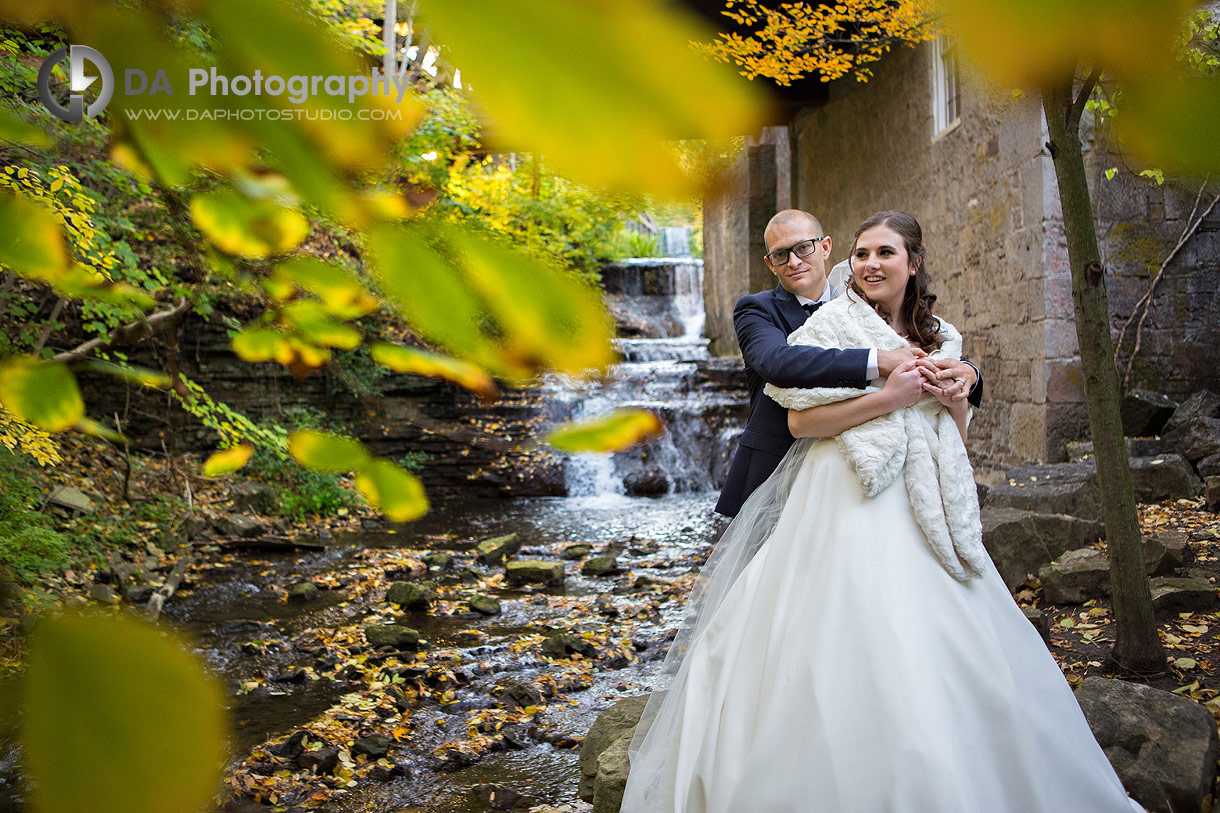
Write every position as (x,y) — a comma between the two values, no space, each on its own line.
(889,360)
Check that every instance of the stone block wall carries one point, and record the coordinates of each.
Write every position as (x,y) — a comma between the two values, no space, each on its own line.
(756,186)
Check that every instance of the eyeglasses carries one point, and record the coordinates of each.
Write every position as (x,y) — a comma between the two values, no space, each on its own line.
(803,249)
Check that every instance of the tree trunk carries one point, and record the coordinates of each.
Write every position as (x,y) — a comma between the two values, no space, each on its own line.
(1137,648)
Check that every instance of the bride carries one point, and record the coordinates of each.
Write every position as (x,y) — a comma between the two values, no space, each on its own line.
(849,646)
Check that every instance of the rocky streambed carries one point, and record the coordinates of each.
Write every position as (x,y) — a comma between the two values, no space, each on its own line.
(450,665)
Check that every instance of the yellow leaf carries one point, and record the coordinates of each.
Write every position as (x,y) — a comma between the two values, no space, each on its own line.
(32,240)
(420,362)
(397,492)
(248,228)
(41,392)
(327,452)
(228,460)
(608,433)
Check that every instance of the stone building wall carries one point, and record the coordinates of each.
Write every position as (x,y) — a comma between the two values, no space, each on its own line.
(979,191)
(986,195)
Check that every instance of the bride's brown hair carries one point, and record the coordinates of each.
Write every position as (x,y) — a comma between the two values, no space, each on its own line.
(923,328)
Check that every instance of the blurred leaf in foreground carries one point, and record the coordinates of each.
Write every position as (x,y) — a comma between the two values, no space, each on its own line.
(228,460)
(531,62)
(327,452)
(43,393)
(421,362)
(613,432)
(117,715)
(245,227)
(398,493)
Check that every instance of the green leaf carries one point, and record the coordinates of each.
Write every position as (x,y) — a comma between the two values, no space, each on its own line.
(398,493)
(530,63)
(43,393)
(324,451)
(1110,173)
(609,433)
(228,460)
(310,320)
(248,228)
(98,695)
(136,375)
(1173,124)
(420,362)
(32,239)
(262,344)
(100,430)
(341,294)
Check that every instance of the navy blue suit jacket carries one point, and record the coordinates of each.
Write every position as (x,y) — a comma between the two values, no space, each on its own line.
(763,322)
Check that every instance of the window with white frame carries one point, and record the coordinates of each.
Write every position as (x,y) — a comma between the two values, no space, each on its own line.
(946,97)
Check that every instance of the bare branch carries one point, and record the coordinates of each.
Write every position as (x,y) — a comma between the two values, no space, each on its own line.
(127,334)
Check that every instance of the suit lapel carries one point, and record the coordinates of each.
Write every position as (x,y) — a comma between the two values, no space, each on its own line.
(789,309)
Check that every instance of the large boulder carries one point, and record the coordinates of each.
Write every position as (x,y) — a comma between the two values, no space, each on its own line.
(261,498)
(239,525)
(613,767)
(1058,488)
(646,484)
(1076,577)
(1145,413)
(1166,552)
(1164,747)
(1191,594)
(1200,439)
(1163,477)
(71,499)
(496,550)
(1022,542)
(614,723)
(1209,466)
(1202,404)
(533,571)
(1211,494)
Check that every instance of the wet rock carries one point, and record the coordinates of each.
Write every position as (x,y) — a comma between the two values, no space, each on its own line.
(646,484)
(563,644)
(103,593)
(411,596)
(469,574)
(643,547)
(485,605)
(605,606)
(193,527)
(322,761)
(1173,595)
(1076,577)
(392,635)
(1166,552)
(303,592)
(1021,542)
(71,499)
(643,583)
(261,498)
(520,695)
(533,571)
(293,674)
(1163,747)
(438,561)
(126,574)
(374,746)
(600,566)
(617,722)
(1145,413)
(381,773)
(291,748)
(398,697)
(1209,466)
(576,552)
(239,525)
(1163,477)
(138,593)
(1211,497)
(497,797)
(1041,622)
(497,549)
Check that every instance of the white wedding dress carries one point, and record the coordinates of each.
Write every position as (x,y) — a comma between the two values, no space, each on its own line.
(843,670)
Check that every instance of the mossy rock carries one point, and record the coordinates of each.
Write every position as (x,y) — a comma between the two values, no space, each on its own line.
(497,549)
(412,596)
(600,566)
(576,552)
(533,571)
(392,635)
(484,604)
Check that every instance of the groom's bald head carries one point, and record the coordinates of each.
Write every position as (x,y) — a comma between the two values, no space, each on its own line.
(791,217)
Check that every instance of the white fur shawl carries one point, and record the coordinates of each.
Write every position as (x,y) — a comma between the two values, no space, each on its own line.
(921,441)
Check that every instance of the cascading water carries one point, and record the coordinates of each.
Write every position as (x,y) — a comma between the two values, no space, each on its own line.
(664,368)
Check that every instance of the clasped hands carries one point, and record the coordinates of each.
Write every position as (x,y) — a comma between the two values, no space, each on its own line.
(910,375)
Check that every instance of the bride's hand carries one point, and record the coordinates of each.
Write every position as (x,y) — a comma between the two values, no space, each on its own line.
(905,385)
(945,396)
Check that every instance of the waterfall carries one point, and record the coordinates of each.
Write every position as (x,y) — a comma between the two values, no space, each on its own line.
(663,368)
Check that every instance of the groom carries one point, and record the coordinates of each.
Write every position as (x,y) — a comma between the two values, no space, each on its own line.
(797,250)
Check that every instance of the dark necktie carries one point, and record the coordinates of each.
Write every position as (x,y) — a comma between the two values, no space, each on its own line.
(811,307)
